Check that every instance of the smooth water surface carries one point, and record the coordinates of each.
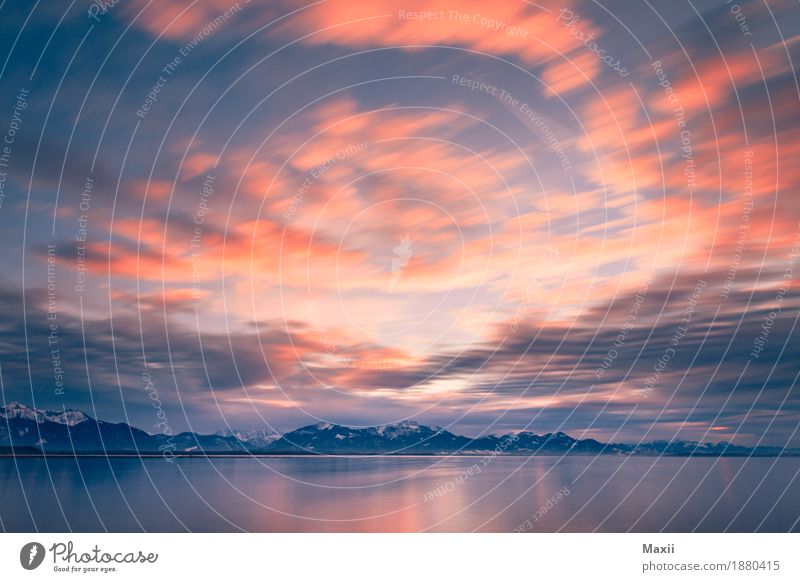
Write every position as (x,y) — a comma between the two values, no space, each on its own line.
(391,494)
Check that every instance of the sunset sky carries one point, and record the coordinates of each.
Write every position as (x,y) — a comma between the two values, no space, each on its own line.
(487,216)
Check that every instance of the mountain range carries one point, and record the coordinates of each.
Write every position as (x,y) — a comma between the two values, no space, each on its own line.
(25,430)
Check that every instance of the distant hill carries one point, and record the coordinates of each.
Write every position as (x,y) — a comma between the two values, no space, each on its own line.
(74,431)
(25,430)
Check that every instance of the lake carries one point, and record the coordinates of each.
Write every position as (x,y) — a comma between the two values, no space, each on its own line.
(400,494)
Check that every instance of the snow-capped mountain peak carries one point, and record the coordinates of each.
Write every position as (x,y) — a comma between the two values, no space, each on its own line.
(255,437)
(404,428)
(68,417)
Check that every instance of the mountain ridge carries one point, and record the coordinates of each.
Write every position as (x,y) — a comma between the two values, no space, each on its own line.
(75,432)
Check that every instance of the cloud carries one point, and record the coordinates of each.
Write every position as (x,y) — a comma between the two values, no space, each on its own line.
(520,271)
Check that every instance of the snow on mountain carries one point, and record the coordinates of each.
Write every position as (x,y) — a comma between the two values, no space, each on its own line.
(256,438)
(404,428)
(67,417)
(75,431)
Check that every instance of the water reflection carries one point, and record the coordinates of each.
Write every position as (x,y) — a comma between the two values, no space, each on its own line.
(400,494)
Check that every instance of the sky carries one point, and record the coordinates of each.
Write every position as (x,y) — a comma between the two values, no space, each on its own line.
(484,216)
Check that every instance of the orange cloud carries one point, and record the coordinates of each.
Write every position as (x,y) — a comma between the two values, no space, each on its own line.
(511,29)
(572,73)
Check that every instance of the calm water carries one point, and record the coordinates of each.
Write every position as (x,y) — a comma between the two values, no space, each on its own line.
(401,494)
